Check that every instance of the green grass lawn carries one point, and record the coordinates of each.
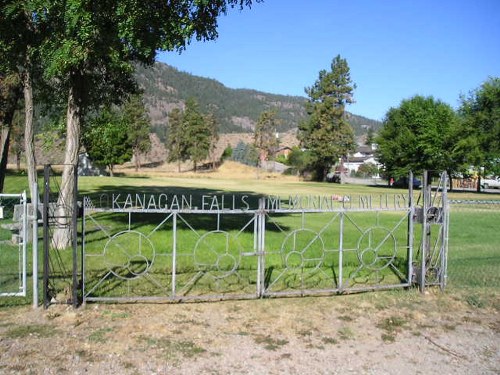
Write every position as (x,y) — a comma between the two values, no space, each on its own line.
(474,253)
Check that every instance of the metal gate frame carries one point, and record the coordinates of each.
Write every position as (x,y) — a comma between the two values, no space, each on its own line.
(55,274)
(22,239)
(430,259)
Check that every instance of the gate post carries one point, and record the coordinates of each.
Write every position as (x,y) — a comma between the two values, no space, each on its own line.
(74,224)
(46,195)
(410,236)
(260,230)
(426,191)
(446,225)
(34,222)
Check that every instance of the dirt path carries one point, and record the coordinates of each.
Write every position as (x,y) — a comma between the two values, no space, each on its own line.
(374,333)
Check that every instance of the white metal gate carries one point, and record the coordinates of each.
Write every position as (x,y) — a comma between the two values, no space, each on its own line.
(160,246)
(13,241)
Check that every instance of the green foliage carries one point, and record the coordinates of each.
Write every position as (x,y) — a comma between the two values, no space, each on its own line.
(197,131)
(265,133)
(176,143)
(299,159)
(479,142)
(138,126)
(164,85)
(227,153)
(246,154)
(367,170)
(106,140)
(191,135)
(327,134)
(370,137)
(418,135)
(282,159)
(212,124)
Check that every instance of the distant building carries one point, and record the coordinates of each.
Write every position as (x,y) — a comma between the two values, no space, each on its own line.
(85,167)
(363,155)
(284,151)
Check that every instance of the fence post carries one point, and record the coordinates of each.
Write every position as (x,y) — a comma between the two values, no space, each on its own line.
(446,226)
(25,241)
(261,229)
(74,224)
(425,230)
(410,238)
(46,196)
(34,219)
(174,253)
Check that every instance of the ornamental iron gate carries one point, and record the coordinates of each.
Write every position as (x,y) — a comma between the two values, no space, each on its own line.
(179,247)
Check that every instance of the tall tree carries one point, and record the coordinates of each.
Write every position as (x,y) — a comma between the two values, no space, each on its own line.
(21,33)
(327,134)
(370,137)
(106,139)
(91,48)
(265,138)
(176,144)
(418,135)
(10,93)
(138,127)
(198,133)
(212,125)
(479,142)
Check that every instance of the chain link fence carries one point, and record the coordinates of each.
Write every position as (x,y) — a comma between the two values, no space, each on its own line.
(474,243)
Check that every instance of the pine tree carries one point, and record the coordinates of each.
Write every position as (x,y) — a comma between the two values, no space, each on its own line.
(265,139)
(327,134)
(139,127)
(212,125)
(176,138)
(198,133)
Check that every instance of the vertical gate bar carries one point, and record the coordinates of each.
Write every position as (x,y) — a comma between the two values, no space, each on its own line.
(74,229)
(34,218)
(263,243)
(410,240)
(424,232)
(83,250)
(25,241)
(46,195)
(260,246)
(341,252)
(256,242)
(444,254)
(174,251)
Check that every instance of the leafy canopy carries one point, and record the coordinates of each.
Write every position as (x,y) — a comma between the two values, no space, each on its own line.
(479,144)
(418,135)
(106,139)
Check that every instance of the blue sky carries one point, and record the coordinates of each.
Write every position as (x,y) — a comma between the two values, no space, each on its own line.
(395,48)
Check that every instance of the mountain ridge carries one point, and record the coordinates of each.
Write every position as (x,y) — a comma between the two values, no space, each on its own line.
(237,110)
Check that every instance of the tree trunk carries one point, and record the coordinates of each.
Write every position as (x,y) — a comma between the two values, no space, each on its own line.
(13,95)
(18,161)
(111,170)
(29,134)
(4,153)
(136,160)
(62,234)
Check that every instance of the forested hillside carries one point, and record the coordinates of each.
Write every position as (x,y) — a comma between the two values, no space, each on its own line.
(237,110)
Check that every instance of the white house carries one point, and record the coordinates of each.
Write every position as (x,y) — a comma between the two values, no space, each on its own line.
(363,155)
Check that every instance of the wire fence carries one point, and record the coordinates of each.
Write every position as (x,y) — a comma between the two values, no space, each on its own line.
(474,245)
